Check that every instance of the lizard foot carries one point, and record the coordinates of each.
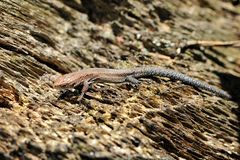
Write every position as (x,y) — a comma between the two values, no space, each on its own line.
(133,81)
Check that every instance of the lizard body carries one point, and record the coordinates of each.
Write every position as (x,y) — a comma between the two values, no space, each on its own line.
(86,77)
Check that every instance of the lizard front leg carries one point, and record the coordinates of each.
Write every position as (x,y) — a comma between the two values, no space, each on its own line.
(84,89)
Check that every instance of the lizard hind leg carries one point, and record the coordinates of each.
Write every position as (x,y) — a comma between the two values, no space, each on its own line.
(133,81)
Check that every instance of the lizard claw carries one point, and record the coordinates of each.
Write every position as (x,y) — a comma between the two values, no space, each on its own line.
(133,81)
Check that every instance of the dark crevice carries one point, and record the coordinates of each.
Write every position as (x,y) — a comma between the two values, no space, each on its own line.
(74,5)
(235,2)
(41,37)
(153,132)
(231,84)
(214,59)
(50,64)
(210,56)
(163,14)
(102,11)
(5,156)
(61,11)
(8,46)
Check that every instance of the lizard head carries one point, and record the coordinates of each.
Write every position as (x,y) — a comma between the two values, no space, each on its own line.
(74,79)
(70,80)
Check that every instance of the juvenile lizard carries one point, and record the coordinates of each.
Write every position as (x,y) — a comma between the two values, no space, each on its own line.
(89,76)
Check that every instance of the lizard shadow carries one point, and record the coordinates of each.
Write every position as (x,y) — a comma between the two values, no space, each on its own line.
(231,84)
(67,94)
(72,95)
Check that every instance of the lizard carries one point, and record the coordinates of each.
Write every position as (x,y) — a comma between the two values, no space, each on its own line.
(87,77)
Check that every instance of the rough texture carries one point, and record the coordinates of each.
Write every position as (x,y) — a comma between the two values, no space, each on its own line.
(160,119)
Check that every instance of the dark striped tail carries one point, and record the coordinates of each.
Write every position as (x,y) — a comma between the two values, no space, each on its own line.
(157,71)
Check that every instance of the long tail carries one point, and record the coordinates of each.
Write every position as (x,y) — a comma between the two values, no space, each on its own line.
(157,71)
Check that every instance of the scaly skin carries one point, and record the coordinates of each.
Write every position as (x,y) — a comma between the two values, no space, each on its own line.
(86,77)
